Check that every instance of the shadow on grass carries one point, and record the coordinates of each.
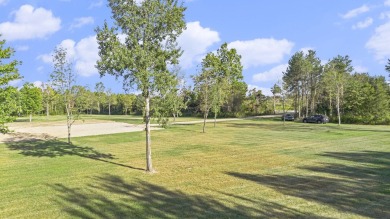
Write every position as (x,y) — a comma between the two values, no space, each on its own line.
(360,185)
(110,196)
(54,148)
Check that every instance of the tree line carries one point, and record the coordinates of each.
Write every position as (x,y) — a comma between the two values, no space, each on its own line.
(336,90)
(148,59)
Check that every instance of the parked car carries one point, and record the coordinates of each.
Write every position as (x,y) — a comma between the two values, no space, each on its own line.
(316,119)
(288,117)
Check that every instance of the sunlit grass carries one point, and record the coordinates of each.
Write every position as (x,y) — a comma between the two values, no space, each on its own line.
(249,168)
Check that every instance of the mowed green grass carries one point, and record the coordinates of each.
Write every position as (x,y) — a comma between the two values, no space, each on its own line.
(240,169)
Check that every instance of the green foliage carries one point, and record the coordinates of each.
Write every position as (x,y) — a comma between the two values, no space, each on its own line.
(387,67)
(150,29)
(302,80)
(63,79)
(337,74)
(8,73)
(31,98)
(220,73)
(126,101)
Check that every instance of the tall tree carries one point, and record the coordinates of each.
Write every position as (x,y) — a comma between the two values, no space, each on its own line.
(275,90)
(31,99)
(62,79)
(221,71)
(111,99)
(100,95)
(203,86)
(8,73)
(150,29)
(293,79)
(337,72)
(126,101)
(388,66)
(48,97)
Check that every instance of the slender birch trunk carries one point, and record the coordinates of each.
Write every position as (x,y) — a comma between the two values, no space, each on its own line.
(149,167)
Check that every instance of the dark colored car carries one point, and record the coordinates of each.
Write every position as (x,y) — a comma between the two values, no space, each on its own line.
(316,119)
(288,117)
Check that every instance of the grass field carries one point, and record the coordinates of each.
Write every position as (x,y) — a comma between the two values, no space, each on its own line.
(240,169)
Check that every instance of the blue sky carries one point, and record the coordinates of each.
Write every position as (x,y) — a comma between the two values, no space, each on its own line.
(265,33)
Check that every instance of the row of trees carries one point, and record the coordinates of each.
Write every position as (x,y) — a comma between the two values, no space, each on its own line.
(147,59)
(335,89)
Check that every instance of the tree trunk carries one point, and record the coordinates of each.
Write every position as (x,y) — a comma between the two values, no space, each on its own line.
(338,105)
(330,106)
(284,112)
(204,121)
(47,109)
(149,167)
(68,121)
(109,109)
(215,118)
(274,106)
(30,117)
(174,117)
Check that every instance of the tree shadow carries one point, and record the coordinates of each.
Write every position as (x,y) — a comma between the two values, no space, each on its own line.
(360,185)
(54,148)
(110,196)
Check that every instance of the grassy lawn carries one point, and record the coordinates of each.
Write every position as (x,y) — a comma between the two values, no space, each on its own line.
(240,169)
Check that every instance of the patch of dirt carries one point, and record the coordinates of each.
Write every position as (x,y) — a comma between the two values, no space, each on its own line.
(50,130)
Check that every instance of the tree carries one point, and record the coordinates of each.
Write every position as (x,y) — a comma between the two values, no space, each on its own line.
(337,72)
(62,79)
(8,73)
(31,99)
(150,29)
(388,66)
(203,85)
(126,101)
(221,71)
(111,99)
(48,97)
(275,90)
(99,93)
(293,79)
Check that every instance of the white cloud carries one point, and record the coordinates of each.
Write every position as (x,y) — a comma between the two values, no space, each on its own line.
(3,2)
(195,41)
(265,91)
(387,3)
(30,23)
(83,54)
(38,84)
(360,69)
(355,12)
(22,48)
(96,4)
(274,74)
(363,24)
(87,53)
(385,15)
(379,42)
(82,21)
(262,51)
(16,83)
(46,58)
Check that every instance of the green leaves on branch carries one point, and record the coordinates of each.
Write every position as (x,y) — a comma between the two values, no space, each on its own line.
(214,85)
(8,73)
(141,47)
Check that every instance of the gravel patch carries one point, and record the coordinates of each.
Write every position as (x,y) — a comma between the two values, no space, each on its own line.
(46,131)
